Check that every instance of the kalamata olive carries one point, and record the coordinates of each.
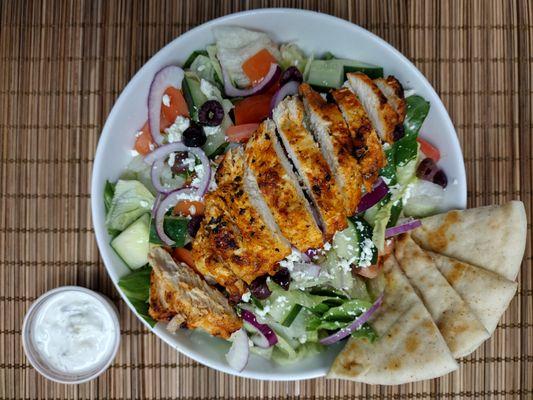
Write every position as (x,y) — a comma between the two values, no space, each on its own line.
(429,171)
(291,74)
(440,178)
(178,166)
(283,278)
(194,136)
(194,224)
(259,288)
(211,113)
(398,133)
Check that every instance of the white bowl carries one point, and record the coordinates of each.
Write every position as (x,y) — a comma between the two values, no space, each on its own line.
(314,32)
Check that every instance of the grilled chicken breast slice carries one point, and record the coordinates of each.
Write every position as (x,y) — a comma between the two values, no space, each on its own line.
(393,91)
(312,168)
(332,133)
(380,112)
(368,149)
(263,244)
(269,170)
(216,244)
(181,296)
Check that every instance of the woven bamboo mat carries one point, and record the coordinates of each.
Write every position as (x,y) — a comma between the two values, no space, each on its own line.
(63,64)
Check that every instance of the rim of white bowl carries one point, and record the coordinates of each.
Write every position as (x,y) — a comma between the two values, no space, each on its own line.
(97,203)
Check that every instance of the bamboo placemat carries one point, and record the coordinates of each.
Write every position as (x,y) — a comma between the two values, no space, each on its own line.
(63,64)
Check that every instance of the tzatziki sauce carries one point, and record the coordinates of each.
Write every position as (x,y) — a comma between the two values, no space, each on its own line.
(73,332)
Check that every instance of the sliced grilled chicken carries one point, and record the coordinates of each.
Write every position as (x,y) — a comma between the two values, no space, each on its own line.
(215,245)
(330,130)
(393,91)
(313,169)
(380,112)
(269,178)
(263,243)
(368,149)
(181,296)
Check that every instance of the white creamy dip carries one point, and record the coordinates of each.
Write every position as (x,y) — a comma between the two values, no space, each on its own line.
(73,332)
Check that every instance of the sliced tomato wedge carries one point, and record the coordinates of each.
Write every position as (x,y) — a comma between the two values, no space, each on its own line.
(176,105)
(144,143)
(184,255)
(189,207)
(240,133)
(428,149)
(257,66)
(252,109)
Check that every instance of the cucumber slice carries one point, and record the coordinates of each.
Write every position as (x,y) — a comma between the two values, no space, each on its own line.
(346,242)
(215,144)
(368,252)
(373,71)
(193,57)
(325,74)
(193,95)
(132,244)
(293,313)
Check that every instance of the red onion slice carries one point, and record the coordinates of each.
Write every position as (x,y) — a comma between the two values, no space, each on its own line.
(239,351)
(170,201)
(159,155)
(265,337)
(163,79)
(289,89)
(157,200)
(379,191)
(270,78)
(405,227)
(356,324)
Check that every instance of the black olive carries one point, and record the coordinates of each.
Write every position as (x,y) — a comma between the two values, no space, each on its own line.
(194,136)
(259,288)
(440,178)
(291,74)
(283,278)
(211,113)
(194,224)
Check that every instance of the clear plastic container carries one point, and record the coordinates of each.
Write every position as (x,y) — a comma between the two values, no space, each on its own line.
(42,365)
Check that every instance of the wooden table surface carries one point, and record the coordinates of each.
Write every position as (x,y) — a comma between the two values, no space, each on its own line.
(62,66)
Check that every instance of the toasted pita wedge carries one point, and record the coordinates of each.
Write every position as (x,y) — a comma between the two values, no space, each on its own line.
(409,348)
(492,237)
(461,329)
(486,293)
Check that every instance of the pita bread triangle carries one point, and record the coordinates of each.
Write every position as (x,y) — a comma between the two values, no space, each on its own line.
(460,327)
(409,348)
(486,293)
(492,237)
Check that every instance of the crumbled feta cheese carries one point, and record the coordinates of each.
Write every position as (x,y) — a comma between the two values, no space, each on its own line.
(192,210)
(200,68)
(139,133)
(209,90)
(291,259)
(171,159)
(190,162)
(365,258)
(166,100)
(246,297)
(175,131)
(386,180)
(302,339)
(327,247)
(262,312)
(386,146)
